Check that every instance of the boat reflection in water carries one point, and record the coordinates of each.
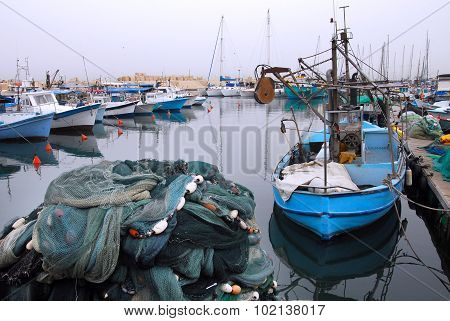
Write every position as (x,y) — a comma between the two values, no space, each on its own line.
(74,145)
(174,117)
(15,155)
(324,265)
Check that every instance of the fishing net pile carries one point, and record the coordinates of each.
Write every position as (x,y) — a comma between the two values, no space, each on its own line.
(137,230)
(426,127)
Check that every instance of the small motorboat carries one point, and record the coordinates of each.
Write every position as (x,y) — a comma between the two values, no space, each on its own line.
(199,100)
(17,126)
(164,98)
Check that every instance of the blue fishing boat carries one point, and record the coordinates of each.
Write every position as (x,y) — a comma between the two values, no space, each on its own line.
(15,126)
(354,173)
(164,98)
(307,91)
(356,194)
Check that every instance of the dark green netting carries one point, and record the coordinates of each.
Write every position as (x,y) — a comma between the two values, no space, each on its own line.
(112,231)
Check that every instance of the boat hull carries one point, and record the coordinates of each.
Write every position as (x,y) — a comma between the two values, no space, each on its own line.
(100,114)
(144,109)
(189,102)
(199,101)
(247,93)
(80,117)
(175,104)
(331,215)
(37,127)
(214,92)
(305,92)
(122,109)
(230,92)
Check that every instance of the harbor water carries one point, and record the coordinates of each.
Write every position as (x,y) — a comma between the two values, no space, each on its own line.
(243,139)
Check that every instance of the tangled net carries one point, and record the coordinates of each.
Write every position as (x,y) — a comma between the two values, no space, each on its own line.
(143,230)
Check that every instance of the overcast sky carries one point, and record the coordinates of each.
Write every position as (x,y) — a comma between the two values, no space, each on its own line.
(178,36)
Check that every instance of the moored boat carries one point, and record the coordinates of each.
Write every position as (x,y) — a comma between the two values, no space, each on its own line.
(65,117)
(164,98)
(17,126)
(199,100)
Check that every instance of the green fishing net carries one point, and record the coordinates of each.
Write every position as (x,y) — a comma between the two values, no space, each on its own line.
(136,230)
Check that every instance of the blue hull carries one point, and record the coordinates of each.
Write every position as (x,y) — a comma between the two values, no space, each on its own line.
(35,127)
(175,104)
(330,215)
(305,92)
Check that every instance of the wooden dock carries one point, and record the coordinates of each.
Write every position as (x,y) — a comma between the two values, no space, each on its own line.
(440,187)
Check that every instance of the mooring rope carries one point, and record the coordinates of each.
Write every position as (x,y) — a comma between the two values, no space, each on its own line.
(392,187)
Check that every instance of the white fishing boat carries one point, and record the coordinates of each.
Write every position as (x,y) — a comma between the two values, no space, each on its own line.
(65,117)
(215,91)
(231,91)
(117,106)
(247,92)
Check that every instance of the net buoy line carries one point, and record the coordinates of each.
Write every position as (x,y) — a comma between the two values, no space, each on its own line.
(141,230)
(443,282)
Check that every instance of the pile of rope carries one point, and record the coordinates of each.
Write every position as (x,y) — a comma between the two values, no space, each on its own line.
(143,230)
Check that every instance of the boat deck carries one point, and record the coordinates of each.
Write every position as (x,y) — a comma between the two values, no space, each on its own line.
(440,187)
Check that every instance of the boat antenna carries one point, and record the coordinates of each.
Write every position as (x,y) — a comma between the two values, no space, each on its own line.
(268,37)
(215,47)
(344,36)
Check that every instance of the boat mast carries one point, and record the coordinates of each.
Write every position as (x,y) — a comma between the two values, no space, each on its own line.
(411,61)
(214,52)
(221,47)
(268,37)
(403,62)
(344,36)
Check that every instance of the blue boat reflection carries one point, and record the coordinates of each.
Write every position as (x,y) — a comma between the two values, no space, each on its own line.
(366,252)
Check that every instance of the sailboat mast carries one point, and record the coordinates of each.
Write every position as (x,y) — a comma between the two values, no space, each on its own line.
(268,37)
(411,61)
(221,47)
(403,62)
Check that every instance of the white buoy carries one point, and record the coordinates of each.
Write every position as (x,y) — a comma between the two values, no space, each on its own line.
(191,187)
(275,284)
(18,223)
(254,296)
(243,225)
(226,288)
(199,179)
(270,291)
(409,177)
(233,214)
(160,227)
(29,245)
(181,203)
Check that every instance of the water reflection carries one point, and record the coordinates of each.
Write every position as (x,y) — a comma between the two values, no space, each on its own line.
(323,265)
(75,145)
(15,155)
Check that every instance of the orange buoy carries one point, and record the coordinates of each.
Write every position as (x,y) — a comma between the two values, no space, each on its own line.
(119,132)
(209,206)
(235,289)
(83,137)
(133,232)
(210,108)
(250,230)
(36,162)
(119,122)
(48,148)
(153,117)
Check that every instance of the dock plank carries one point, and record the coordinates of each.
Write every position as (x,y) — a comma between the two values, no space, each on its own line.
(440,187)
